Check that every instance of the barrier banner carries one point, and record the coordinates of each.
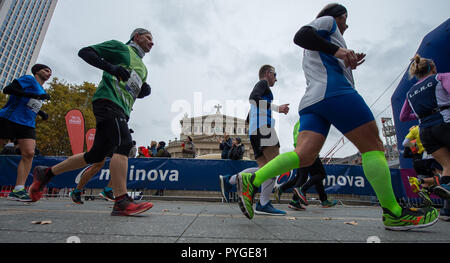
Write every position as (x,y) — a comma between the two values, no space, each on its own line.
(349,179)
(90,136)
(193,175)
(75,129)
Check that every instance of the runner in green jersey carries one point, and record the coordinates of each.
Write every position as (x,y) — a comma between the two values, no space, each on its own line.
(122,93)
(124,81)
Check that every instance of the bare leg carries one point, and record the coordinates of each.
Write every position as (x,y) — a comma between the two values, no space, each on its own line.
(119,169)
(309,144)
(72,163)
(27,147)
(366,138)
(89,173)
(443,157)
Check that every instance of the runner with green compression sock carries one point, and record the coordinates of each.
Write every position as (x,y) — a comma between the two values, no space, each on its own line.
(331,99)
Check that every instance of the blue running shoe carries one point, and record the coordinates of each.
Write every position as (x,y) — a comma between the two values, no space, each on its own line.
(21,196)
(328,204)
(268,210)
(445,214)
(76,196)
(295,205)
(107,194)
(225,187)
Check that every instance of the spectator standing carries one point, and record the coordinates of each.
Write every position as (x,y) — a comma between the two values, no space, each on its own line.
(162,152)
(225,145)
(152,149)
(189,150)
(143,152)
(133,150)
(237,150)
(9,148)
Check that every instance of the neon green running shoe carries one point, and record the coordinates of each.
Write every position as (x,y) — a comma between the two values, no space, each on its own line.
(278,192)
(411,218)
(246,191)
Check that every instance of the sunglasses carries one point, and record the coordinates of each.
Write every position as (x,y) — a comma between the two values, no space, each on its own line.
(274,73)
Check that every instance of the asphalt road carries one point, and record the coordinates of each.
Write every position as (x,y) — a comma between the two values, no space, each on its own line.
(199,222)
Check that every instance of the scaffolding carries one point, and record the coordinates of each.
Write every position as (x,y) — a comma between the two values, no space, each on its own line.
(390,136)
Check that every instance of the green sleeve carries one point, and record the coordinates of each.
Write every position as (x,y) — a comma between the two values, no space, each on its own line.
(113,51)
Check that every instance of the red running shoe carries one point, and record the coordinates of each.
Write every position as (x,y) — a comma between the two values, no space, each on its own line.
(40,180)
(127,207)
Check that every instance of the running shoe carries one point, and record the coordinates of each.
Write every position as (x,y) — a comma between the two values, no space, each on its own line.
(76,196)
(107,194)
(415,184)
(411,218)
(302,197)
(246,191)
(278,193)
(425,195)
(127,207)
(328,204)
(443,191)
(20,195)
(268,209)
(225,187)
(295,205)
(40,180)
(445,214)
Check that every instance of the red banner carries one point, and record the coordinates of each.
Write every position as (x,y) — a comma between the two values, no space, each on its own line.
(90,136)
(75,129)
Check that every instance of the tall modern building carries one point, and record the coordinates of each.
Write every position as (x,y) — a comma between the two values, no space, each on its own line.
(23,24)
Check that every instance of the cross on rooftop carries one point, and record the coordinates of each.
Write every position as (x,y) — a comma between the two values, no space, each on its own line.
(218,107)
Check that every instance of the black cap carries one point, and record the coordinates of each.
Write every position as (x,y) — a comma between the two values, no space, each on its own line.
(334,11)
(36,68)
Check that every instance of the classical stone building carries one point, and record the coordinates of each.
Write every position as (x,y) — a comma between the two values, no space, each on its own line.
(207,132)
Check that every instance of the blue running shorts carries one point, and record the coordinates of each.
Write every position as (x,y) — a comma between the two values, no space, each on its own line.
(345,112)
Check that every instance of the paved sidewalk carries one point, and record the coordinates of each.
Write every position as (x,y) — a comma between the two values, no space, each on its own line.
(198,222)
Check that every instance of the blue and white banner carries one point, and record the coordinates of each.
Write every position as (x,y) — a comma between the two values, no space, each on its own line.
(350,180)
(192,175)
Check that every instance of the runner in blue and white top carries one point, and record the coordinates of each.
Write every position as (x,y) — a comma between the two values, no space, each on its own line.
(25,101)
(17,121)
(331,99)
(326,75)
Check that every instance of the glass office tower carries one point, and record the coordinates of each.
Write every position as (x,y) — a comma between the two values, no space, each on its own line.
(23,24)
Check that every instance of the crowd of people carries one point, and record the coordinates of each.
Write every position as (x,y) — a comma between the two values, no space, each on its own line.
(232,148)
(330,98)
(155,150)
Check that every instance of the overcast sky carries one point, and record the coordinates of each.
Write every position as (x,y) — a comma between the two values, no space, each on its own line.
(214,48)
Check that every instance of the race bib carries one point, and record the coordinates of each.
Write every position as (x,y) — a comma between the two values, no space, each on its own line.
(34,105)
(134,84)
